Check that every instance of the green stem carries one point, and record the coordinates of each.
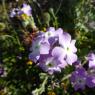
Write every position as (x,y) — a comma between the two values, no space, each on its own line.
(66,77)
(59,7)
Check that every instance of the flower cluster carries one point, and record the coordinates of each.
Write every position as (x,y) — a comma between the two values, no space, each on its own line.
(53,50)
(26,9)
(24,15)
(52,66)
(81,78)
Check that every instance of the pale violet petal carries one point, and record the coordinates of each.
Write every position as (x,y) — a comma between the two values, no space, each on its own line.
(63,63)
(71,58)
(59,32)
(44,48)
(92,64)
(65,39)
(72,46)
(57,52)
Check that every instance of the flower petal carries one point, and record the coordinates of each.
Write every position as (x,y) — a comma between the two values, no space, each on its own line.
(51,29)
(59,32)
(89,81)
(57,52)
(92,64)
(65,39)
(26,9)
(72,46)
(34,56)
(71,58)
(44,48)
(63,63)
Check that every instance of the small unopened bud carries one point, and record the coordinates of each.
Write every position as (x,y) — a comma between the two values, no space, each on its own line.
(46,18)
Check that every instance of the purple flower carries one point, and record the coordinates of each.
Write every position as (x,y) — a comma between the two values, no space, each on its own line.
(54,50)
(78,79)
(69,48)
(90,81)
(51,65)
(26,9)
(44,43)
(53,35)
(58,53)
(91,59)
(53,62)
(39,46)
(66,45)
(91,77)
(51,32)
